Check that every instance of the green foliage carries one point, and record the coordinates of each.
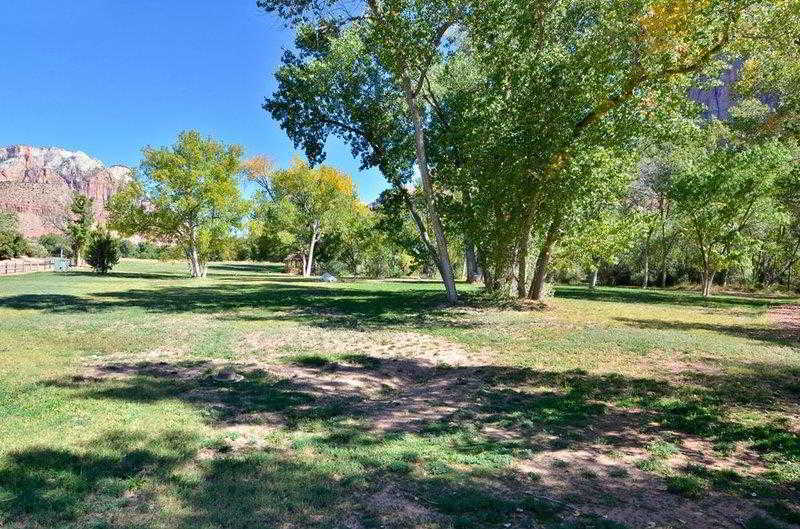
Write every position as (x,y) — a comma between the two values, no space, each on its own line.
(12,243)
(186,195)
(723,181)
(80,224)
(103,252)
(54,244)
(303,206)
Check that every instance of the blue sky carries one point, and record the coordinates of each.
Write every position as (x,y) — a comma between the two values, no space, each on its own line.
(108,77)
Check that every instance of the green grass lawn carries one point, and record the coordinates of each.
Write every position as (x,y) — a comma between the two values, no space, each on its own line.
(251,399)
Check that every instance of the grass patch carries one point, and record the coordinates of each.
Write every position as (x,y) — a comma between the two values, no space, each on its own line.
(141,400)
(688,486)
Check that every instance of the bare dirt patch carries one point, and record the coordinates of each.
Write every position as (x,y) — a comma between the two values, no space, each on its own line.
(787,318)
(378,344)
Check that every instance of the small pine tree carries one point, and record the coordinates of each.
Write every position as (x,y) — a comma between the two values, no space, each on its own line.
(79,228)
(103,252)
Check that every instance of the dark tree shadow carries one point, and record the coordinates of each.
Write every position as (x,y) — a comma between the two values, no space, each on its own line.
(487,413)
(251,268)
(664,296)
(325,306)
(775,335)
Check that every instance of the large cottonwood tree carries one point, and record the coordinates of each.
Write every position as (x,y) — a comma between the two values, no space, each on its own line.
(387,51)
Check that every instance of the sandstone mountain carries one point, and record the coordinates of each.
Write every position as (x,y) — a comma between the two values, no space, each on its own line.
(37,184)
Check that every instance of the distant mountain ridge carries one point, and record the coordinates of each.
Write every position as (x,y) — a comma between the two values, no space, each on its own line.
(37,183)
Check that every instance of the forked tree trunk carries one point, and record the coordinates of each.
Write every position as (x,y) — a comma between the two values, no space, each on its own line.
(194,257)
(543,260)
(442,256)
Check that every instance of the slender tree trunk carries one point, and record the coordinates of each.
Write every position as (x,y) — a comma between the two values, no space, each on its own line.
(522,265)
(442,255)
(663,277)
(309,264)
(194,258)
(470,262)
(543,260)
(646,278)
(594,278)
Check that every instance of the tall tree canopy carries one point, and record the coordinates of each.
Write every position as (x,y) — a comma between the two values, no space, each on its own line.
(512,112)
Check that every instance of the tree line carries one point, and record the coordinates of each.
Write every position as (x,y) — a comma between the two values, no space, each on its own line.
(523,143)
(530,125)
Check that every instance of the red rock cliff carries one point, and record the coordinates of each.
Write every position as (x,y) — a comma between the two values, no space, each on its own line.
(37,184)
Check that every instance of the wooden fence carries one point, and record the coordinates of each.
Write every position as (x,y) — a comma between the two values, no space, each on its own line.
(8,268)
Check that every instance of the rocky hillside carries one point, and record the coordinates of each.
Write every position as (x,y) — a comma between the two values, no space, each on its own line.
(37,183)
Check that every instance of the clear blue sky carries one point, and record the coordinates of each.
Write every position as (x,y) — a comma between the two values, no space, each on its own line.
(108,77)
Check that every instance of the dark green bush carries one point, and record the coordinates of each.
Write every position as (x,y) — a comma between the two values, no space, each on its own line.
(103,252)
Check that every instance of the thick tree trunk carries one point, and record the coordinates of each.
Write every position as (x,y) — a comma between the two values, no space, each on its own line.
(543,260)
(663,277)
(443,258)
(708,282)
(594,278)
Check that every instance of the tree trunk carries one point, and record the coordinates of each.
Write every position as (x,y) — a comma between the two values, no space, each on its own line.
(309,263)
(663,207)
(522,265)
(646,278)
(442,255)
(194,258)
(471,262)
(543,260)
(594,278)
(708,282)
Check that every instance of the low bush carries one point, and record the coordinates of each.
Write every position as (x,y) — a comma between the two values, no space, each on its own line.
(103,252)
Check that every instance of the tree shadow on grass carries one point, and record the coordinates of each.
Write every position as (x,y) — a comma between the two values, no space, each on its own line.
(661,296)
(766,334)
(325,306)
(252,268)
(422,394)
(437,448)
(128,275)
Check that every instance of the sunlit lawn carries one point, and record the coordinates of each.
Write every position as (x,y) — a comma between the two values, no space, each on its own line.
(255,399)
